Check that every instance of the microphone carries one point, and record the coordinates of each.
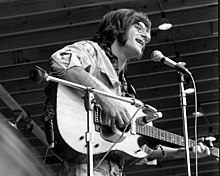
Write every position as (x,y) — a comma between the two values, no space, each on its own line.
(38,75)
(157,56)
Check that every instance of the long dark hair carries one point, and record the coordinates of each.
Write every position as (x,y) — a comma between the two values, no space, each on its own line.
(114,25)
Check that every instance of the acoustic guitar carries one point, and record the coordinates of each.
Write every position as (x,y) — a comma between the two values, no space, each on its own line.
(71,120)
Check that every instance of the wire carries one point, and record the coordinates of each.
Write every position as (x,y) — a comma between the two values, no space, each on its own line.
(195,99)
(160,5)
(45,155)
(118,138)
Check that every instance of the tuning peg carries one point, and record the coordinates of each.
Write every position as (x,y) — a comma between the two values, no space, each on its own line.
(209,141)
(210,138)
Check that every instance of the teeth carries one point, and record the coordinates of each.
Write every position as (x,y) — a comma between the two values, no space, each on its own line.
(139,41)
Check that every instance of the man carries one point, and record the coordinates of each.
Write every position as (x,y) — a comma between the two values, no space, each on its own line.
(100,63)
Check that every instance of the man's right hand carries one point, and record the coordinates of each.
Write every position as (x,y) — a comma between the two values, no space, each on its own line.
(116,111)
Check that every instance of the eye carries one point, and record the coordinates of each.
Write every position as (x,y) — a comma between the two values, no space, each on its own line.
(139,27)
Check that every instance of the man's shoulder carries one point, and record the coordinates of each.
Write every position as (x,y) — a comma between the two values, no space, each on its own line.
(88,44)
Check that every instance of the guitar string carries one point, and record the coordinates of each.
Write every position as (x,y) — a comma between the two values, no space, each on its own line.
(118,138)
(195,99)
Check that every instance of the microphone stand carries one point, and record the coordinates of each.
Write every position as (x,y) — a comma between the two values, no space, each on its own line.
(184,115)
(88,102)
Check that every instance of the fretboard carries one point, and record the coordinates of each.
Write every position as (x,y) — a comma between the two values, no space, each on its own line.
(162,135)
(168,137)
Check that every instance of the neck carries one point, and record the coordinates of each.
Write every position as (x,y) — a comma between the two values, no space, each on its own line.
(117,50)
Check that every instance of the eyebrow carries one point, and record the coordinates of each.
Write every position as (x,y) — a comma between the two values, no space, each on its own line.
(143,25)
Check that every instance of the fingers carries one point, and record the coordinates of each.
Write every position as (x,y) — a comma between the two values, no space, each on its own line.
(202,150)
(113,126)
(122,119)
(118,116)
(205,151)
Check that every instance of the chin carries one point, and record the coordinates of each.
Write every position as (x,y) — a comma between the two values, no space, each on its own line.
(139,53)
(140,56)
(135,51)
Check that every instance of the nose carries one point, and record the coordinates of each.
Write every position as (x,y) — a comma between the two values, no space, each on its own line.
(146,36)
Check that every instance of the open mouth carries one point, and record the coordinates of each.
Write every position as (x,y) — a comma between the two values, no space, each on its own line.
(140,41)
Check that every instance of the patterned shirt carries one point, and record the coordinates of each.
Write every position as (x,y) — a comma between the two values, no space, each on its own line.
(98,62)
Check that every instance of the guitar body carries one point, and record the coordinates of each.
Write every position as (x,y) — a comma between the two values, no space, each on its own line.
(71,127)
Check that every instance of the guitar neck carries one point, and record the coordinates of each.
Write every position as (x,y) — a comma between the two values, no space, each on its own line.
(157,133)
(168,137)
(162,135)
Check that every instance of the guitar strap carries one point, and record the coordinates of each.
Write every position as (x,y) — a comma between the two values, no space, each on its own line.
(50,112)
(128,88)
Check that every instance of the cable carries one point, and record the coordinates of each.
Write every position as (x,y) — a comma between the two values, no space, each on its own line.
(195,99)
(45,155)
(118,138)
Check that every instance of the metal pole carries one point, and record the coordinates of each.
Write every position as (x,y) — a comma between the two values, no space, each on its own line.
(184,116)
(89,104)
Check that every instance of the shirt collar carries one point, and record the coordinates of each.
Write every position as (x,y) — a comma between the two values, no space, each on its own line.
(113,59)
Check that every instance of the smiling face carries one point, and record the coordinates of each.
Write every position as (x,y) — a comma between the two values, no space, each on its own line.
(125,32)
(138,35)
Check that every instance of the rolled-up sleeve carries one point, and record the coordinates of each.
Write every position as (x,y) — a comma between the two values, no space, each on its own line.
(80,54)
(147,150)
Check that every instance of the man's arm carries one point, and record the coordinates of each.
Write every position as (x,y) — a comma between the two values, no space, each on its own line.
(164,152)
(113,108)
